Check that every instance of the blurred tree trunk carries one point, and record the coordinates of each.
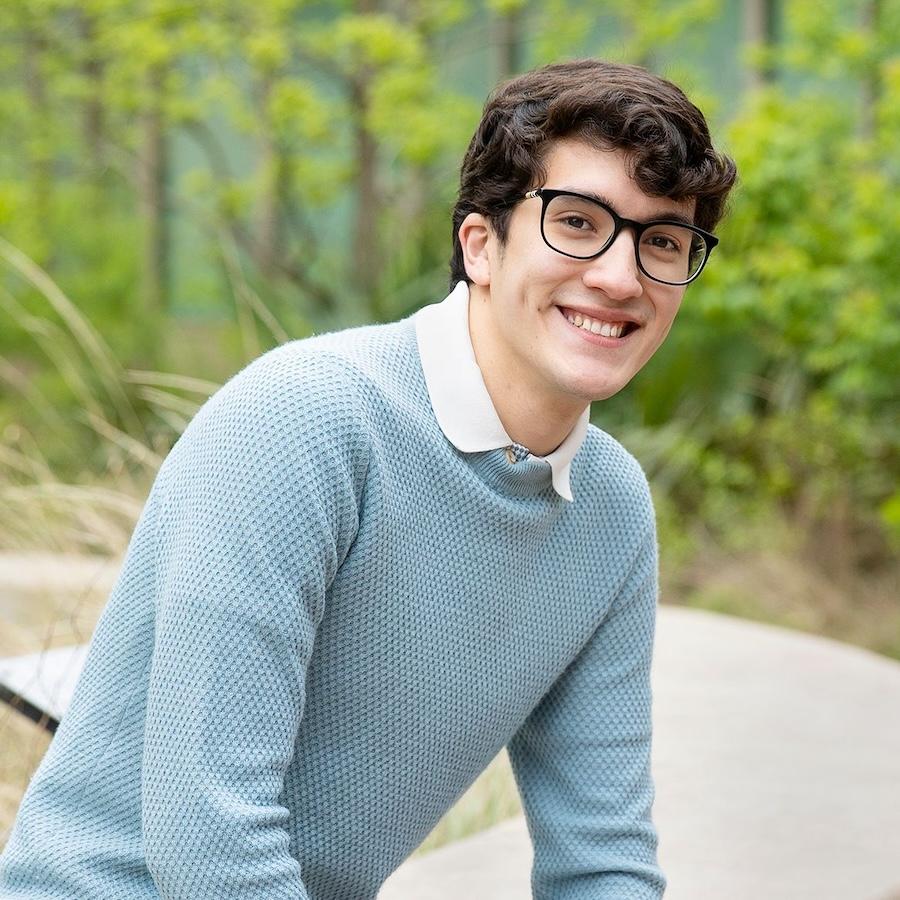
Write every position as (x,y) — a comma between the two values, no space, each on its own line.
(366,258)
(871,86)
(151,180)
(508,41)
(40,157)
(93,112)
(270,244)
(759,17)
(366,262)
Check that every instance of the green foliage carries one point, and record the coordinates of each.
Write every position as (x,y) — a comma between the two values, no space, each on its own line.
(298,113)
(504,7)
(796,322)
(775,394)
(652,24)
(561,30)
(433,119)
(361,42)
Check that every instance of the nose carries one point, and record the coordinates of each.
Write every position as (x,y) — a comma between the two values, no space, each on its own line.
(615,272)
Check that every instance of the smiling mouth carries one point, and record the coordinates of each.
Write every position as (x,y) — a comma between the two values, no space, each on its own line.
(599,327)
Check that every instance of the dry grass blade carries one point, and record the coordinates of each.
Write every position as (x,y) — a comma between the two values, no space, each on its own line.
(175,422)
(26,525)
(66,519)
(133,447)
(53,341)
(248,298)
(167,379)
(38,402)
(96,497)
(165,400)
(94,347)
(23,746)
(35,468)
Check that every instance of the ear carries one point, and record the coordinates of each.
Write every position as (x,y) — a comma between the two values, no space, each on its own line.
(474,233)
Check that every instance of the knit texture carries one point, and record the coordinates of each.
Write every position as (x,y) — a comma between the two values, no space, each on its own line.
(327,623)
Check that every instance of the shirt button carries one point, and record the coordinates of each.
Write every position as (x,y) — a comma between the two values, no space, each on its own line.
(511,455)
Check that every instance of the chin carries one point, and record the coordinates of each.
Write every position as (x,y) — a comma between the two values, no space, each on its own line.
(593,389)
(606,394)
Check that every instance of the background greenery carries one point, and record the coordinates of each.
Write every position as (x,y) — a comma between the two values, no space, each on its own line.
(184,185)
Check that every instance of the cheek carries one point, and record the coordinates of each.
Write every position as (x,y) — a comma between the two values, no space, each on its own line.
(665,309)
(667,305)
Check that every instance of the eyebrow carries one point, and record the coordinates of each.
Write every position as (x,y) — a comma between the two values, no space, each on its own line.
(666,214)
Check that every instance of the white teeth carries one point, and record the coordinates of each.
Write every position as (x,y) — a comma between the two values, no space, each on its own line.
(595,326)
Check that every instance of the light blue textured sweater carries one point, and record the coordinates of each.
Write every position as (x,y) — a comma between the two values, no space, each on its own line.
(328,622)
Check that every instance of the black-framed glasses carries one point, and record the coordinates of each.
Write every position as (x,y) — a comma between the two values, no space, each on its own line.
(666,250)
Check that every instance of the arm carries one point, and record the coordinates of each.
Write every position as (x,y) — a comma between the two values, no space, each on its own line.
(257,510)
(582,759)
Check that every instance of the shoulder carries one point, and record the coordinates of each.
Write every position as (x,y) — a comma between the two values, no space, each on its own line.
(338,371)
(609,478)
(344,359)
(317,381)
(299,407)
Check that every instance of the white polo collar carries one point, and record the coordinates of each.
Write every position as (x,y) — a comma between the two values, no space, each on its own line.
(459,398)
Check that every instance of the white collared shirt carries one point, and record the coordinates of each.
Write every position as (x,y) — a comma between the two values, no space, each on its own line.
(459,397)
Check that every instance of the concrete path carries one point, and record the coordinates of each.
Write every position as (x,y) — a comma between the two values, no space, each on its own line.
(776,756)
(37,588)
(63,574)
(777,764)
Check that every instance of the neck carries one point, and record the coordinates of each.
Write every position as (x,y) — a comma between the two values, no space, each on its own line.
(530,415)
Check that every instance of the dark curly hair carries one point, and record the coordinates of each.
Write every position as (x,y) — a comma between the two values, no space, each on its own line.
(664,136)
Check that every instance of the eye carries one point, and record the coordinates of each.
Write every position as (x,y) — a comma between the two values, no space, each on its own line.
(660,241)
(576,223)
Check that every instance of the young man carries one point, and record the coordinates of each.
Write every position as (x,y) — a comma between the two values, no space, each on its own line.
(377,557)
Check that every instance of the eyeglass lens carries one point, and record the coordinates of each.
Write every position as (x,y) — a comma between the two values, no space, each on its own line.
(579,227)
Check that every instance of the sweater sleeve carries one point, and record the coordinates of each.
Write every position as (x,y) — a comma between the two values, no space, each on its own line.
(258,507)
(582,759)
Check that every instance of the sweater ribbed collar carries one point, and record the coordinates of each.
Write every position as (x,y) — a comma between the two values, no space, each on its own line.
(459,397)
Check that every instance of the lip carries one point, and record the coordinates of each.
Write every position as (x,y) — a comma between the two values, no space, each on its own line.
(614,317)
(598,340)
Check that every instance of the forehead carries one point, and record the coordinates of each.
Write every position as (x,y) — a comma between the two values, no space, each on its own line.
(574,165)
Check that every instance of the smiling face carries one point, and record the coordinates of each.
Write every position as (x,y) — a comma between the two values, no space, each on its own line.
(568,331)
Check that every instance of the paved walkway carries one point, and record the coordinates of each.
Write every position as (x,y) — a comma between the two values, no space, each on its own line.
(776,756)
(777,762)
(57,573)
